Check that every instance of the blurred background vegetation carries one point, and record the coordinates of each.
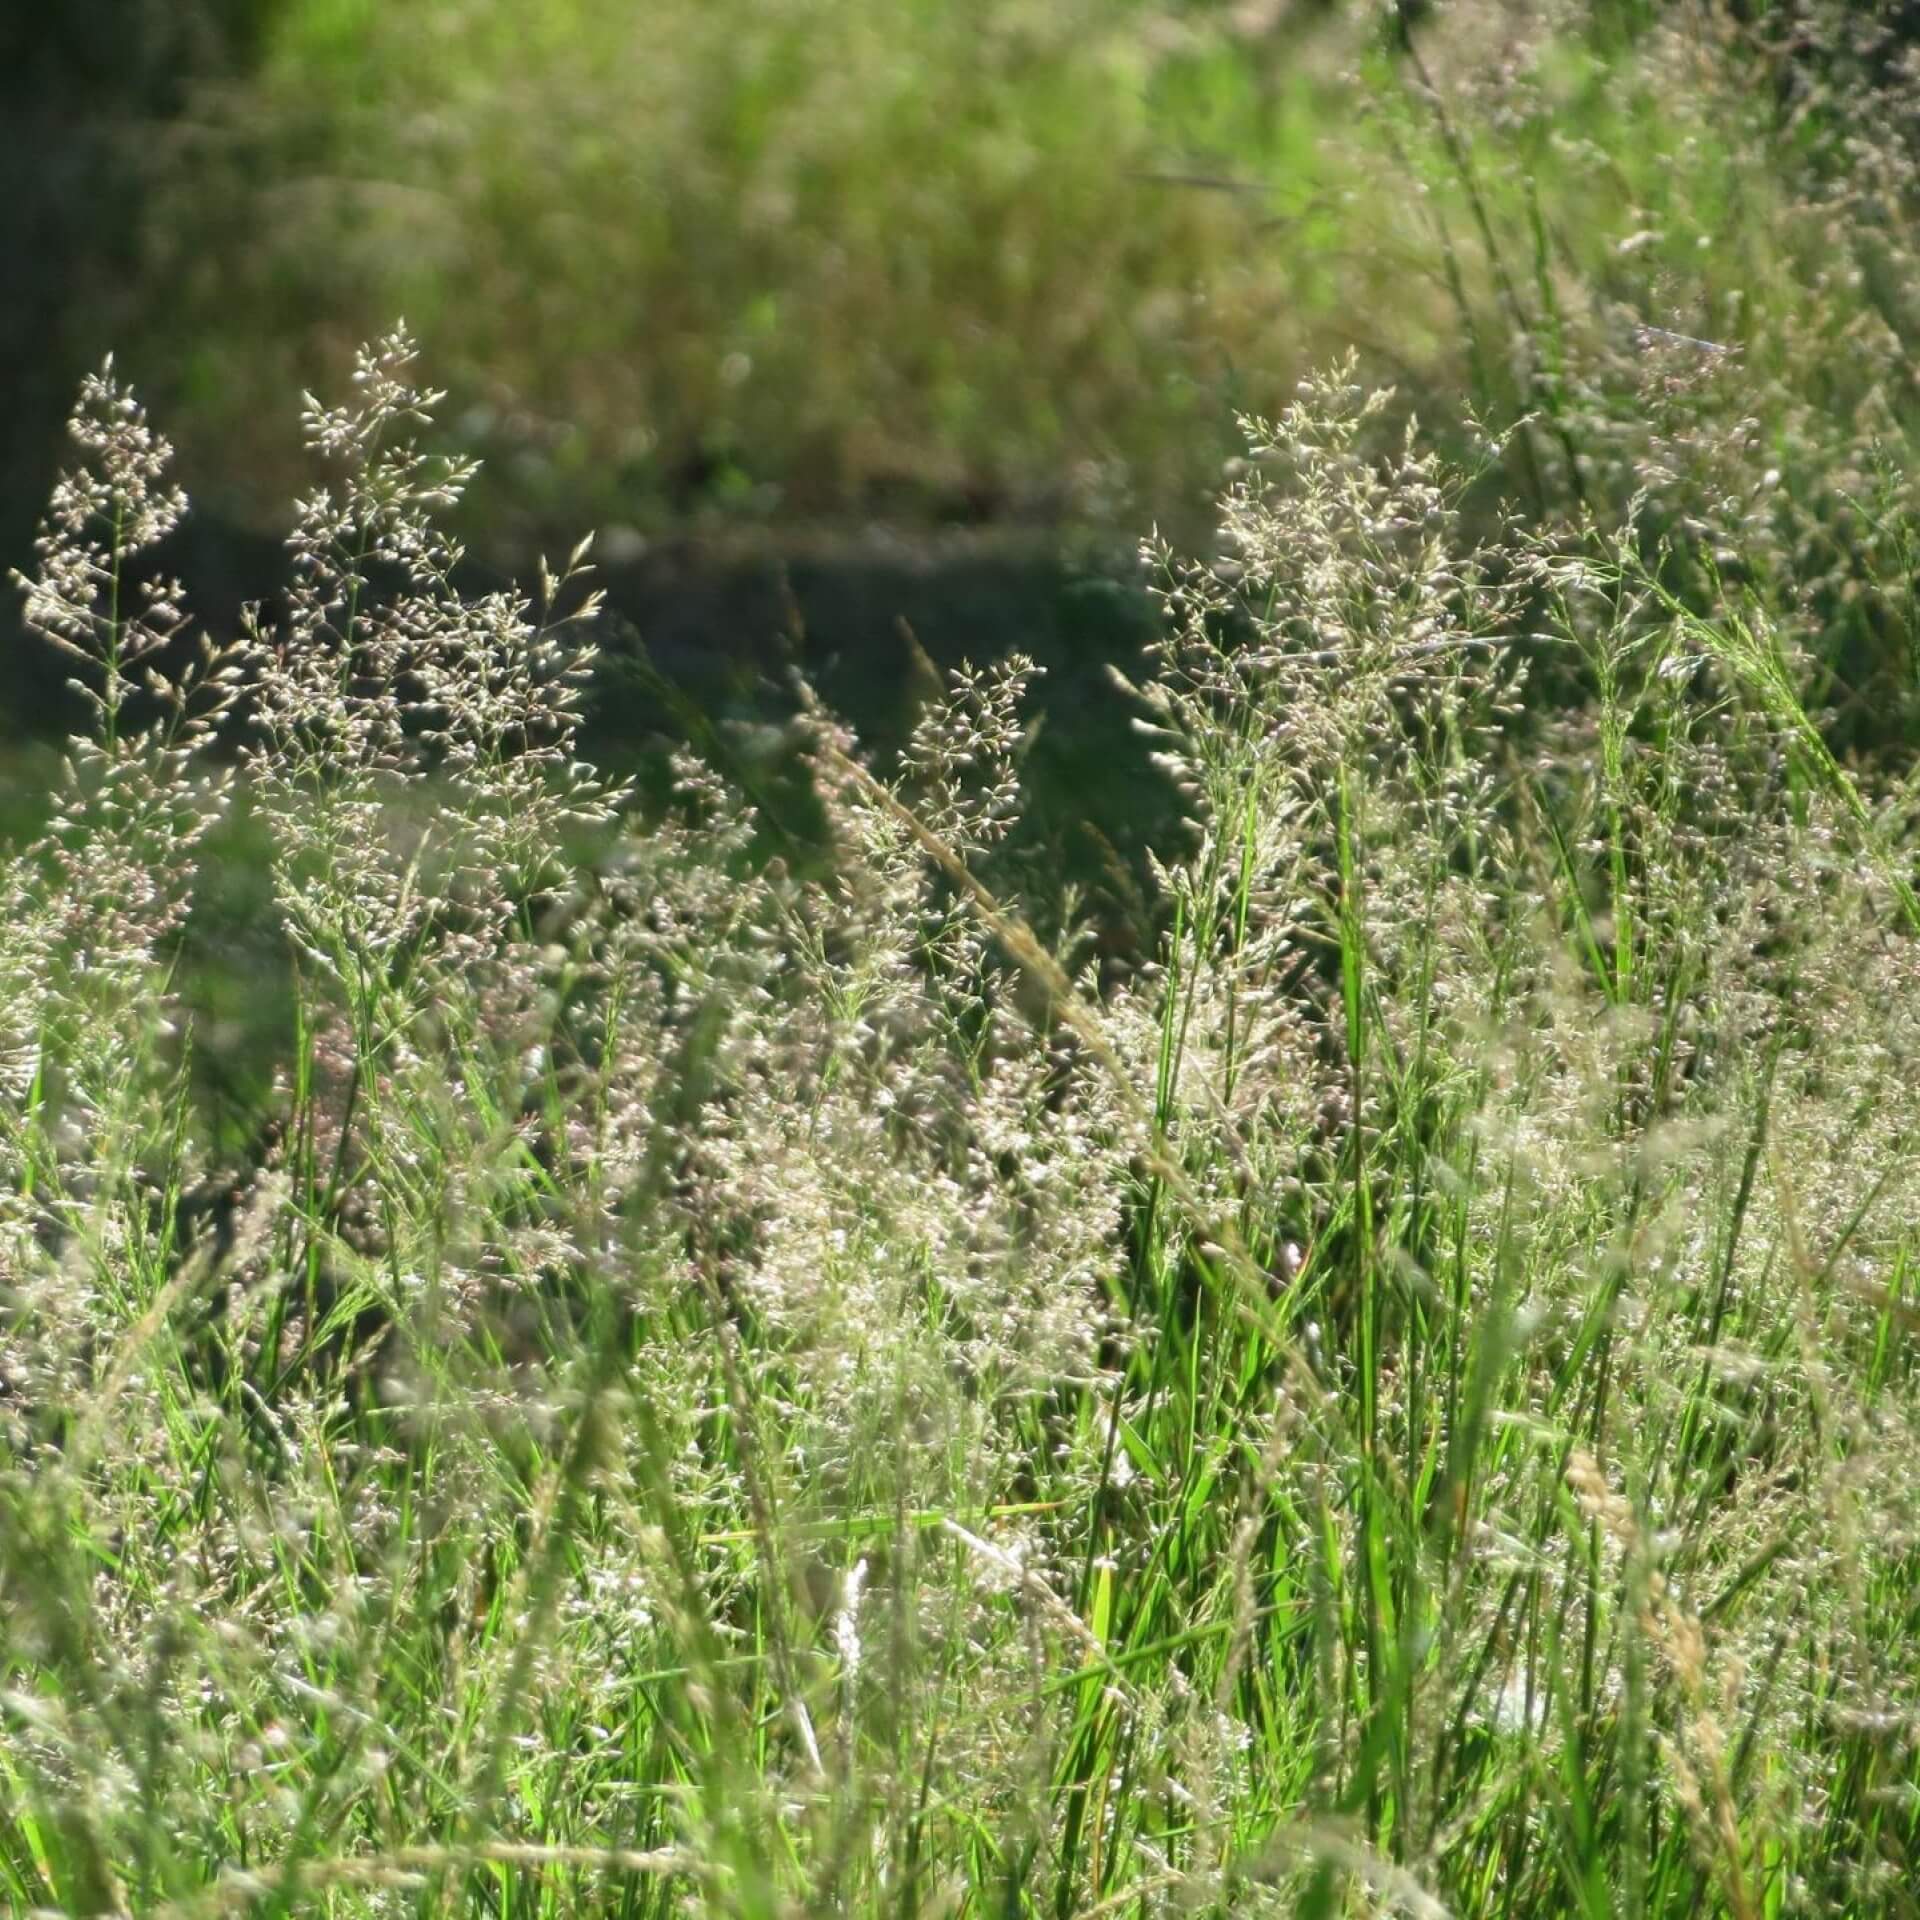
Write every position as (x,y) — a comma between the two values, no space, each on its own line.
(834,315)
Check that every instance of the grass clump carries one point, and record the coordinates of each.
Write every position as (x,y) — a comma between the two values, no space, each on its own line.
(742,1387)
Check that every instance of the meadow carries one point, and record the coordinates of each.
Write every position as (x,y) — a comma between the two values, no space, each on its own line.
(764,1349)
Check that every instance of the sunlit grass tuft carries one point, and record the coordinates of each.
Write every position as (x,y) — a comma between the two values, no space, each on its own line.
(729,1388)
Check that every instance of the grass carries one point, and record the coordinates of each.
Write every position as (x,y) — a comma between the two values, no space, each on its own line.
(1027,261)
(742,1383)
(736,1344)
(782,272)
